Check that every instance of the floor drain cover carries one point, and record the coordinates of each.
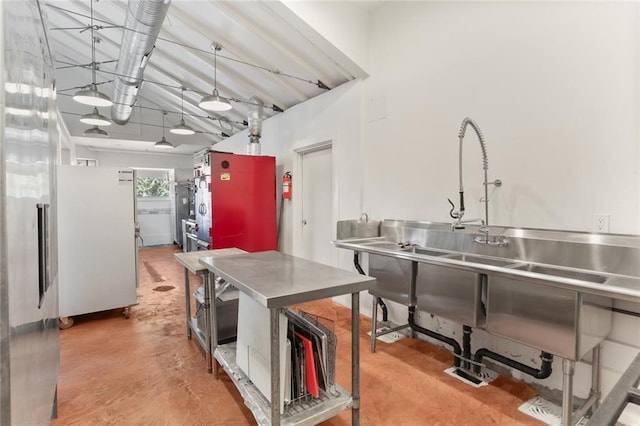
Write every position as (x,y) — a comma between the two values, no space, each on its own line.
(481,379)
(164,288)
(391,337)
(155,276)
(545,411)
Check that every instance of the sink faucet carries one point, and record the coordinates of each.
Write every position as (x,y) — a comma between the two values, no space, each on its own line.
(459,214)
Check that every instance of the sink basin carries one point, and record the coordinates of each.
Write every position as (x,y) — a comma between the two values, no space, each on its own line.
(479,259)
(563,322)
(576,275)
(387,245)
(452,293)
(424,251)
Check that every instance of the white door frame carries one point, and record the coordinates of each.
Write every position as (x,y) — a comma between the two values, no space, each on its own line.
(297,200)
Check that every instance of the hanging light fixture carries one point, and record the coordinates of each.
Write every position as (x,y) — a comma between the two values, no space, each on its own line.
(92,96)
(95,132)
(95,118)
(182,129)
(163,143)
(215,102)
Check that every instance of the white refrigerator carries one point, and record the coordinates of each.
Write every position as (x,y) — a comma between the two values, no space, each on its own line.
(96,239)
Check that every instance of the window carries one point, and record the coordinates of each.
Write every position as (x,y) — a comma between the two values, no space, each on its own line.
(152,187)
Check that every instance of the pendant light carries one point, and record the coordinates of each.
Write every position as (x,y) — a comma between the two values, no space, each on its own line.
(215,102)
(182,129)
(92,96)
(95,118)
(163,143)
(95,132)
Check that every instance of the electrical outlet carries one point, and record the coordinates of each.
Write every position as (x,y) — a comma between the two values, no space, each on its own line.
(601,222)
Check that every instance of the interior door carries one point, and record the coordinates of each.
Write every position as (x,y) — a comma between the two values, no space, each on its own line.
(317,206)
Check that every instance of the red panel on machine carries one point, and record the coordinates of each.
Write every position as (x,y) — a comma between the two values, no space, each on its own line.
(243,202)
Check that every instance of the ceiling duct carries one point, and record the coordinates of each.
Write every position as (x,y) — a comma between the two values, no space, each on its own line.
(142,26)
(256,115)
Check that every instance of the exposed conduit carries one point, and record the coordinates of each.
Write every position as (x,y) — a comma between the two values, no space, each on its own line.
(144,21)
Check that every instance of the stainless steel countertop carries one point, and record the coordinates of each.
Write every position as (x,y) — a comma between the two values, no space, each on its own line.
(276,280)
(191,260)
(619,287)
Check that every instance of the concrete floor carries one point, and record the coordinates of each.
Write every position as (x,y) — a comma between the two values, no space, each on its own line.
(144,370)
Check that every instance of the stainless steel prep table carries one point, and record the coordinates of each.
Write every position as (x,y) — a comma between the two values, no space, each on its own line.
(276,280)
(191,263)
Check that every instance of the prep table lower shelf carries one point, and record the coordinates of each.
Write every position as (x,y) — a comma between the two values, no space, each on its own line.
(309,412)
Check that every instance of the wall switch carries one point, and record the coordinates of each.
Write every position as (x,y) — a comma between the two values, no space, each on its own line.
(601,222)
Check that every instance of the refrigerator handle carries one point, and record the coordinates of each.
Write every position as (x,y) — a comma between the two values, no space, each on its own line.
(43,250)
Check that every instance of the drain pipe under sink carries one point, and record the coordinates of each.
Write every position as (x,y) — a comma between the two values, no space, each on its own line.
(542,373)
(444,339)
(383,306)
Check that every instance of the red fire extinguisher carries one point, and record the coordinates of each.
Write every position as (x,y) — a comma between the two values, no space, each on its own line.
(286,186)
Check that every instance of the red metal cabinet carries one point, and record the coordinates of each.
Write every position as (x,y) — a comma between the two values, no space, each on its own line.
(236,201)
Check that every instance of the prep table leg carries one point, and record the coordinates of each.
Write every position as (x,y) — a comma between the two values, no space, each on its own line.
(568,368)
(374,323)
(355,357)
(275,366)
(207,319)
(213,325)
(187,296)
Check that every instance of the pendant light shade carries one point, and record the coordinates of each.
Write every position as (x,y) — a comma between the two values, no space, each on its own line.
(163,143)
(95,132)
(92,96)
(95,118)
(215,102)
(182,129)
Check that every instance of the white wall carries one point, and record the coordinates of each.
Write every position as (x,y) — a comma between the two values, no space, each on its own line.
(553,86)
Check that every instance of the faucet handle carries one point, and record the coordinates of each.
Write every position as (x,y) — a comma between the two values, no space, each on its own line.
(453,207)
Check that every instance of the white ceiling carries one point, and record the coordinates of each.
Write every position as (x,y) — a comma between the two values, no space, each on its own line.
(249,32)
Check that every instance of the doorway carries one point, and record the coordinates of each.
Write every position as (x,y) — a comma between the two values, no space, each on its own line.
(316,171)
(155,207)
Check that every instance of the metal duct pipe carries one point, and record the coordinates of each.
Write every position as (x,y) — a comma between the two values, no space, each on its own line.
(142,26)
(256,115)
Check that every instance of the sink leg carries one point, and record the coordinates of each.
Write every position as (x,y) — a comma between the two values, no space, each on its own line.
(568,368)
(595,376)
(374,323)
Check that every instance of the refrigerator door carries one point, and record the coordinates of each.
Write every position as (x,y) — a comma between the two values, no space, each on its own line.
(29,343)
(97,246)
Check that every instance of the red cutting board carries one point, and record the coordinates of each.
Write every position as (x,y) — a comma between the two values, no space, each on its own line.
(310,366)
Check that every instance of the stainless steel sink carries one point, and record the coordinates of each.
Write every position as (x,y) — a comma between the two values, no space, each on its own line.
(549,289)
(575,275)
(396,277)
(424,251)
(479,259)
(385,245)
(455,294)
(556,320)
